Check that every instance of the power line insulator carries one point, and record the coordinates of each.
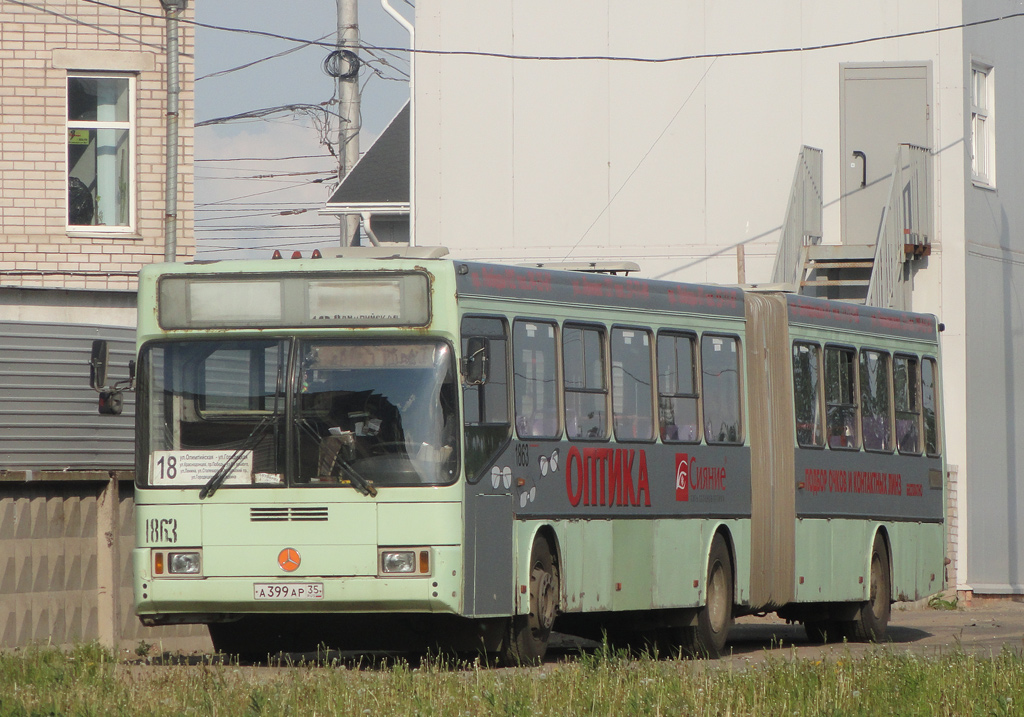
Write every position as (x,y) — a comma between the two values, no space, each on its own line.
(342,64)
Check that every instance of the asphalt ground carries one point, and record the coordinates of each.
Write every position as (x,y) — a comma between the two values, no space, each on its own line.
(985,629)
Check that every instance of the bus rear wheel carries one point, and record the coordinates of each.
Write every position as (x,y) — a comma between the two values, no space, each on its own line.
(873,617)
(707,638)
(528,637)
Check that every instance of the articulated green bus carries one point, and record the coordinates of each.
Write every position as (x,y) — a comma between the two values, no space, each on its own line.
(383,450)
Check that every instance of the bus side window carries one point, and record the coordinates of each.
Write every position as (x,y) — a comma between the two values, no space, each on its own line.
(677,388)
(632,402)
(807,395)
(720,376)
(930,402)
(485,406)
(876,406)
(840,398)
(535,367)
(586,388)
(906,387)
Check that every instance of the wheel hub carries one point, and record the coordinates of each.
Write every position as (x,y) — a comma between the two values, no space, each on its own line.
(544,598)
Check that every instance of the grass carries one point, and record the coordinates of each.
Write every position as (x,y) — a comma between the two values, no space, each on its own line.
(89,681)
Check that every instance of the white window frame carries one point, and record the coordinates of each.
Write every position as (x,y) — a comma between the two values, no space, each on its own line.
(983,129)
(130,125)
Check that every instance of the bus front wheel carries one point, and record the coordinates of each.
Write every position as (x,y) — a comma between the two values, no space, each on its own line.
(528,637)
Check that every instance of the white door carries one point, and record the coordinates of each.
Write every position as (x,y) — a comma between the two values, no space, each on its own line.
(882,106)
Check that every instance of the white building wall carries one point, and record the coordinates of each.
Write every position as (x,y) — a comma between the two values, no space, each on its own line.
(675,165)
(548,160)
(994,299)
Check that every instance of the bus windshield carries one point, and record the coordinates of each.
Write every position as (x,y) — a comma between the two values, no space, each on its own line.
(384,410)
(364,414)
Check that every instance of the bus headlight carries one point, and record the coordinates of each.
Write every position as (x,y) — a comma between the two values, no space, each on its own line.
(184,563)
(398,561)
(405,561)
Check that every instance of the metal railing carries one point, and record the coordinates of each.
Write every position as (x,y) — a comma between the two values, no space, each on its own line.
(906,228)
(802,226)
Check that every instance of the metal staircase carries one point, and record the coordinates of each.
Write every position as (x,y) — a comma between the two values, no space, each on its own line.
(801,228)
(877,275)
(838,271)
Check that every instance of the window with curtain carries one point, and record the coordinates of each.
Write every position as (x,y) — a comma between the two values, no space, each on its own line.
(99,151)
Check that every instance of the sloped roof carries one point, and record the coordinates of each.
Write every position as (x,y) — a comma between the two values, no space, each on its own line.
(381,176)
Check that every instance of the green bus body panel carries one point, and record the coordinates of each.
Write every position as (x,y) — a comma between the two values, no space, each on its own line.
(632,565)
(585,549)
(347,524)
(831,560)
(169,526)
(833,557)
(611,565)
(318,559)
(412,524)
(918,559)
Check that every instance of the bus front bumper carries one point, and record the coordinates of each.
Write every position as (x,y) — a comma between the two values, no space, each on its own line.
(169,600)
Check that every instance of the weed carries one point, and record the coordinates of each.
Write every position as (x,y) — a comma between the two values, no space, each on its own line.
(937,602)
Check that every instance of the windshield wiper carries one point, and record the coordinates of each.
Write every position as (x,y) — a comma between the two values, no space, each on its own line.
(345,469)
(222,473)
(364,486)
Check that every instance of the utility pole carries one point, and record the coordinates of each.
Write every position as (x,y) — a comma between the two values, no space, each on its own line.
(347,64)
(172,8)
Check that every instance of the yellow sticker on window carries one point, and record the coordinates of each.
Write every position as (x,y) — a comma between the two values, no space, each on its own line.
(78,136)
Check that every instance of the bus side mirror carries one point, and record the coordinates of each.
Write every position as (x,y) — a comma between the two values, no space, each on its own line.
(111,397)
(98,364)
(478,355)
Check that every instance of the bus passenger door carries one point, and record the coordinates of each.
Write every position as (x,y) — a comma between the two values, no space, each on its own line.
(487,440)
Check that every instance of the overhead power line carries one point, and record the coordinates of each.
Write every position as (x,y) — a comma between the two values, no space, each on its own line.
(606,58)
(707,55)
(268,191)
(238,206)
(262,159)
(264,112)
(247,65)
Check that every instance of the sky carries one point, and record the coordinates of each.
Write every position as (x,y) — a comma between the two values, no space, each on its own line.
(259,182)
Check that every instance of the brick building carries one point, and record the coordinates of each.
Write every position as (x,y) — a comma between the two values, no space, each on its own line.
(82,171)
(83,93)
